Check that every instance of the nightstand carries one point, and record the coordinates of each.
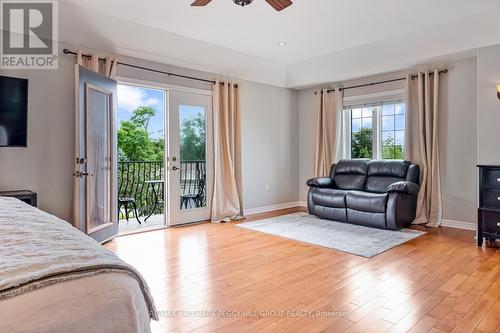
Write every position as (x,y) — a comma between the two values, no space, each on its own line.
(27,196)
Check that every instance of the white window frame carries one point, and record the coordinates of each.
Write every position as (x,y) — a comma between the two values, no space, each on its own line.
(375,100)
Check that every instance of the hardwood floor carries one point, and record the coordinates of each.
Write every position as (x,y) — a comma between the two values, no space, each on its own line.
(439,282)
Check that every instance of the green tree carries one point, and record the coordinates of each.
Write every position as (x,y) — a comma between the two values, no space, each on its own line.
(193,139)
(361,143)
(390,150)
(142,115)
(134,142)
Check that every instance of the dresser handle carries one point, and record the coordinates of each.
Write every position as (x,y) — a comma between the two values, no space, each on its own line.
(498,180)
(498,198)
(498,224)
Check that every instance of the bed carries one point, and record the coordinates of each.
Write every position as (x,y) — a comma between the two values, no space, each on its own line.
(53,278)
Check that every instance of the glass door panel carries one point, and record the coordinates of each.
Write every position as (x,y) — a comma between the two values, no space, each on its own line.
(190,146)
(98,143)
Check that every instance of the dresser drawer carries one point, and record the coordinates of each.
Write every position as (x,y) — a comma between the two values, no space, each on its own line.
(491,222)
(491,178)
(491,198)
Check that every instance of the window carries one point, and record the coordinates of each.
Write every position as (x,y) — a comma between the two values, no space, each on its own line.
(362,132)
(377,131)
(393,131)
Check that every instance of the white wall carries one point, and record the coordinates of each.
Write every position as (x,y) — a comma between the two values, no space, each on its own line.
(457,138)
(270,141)
(269,136)
(46,165)
(488,121)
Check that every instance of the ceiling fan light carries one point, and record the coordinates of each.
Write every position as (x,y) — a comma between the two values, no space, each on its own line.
(242,3)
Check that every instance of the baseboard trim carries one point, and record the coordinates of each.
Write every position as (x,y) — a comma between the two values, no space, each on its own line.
(458,224)
(265,209)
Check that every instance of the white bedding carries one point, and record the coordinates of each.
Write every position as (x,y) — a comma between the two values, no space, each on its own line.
(105,303)
(55,279)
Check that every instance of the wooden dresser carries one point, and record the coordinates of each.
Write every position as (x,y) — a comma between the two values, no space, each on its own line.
(488,223)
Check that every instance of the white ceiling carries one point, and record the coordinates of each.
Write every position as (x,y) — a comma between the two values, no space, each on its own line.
(313,29)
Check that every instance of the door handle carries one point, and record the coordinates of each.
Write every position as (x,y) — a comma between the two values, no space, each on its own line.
(81,174)
(174,168)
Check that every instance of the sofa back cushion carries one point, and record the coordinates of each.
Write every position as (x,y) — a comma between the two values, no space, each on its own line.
(381,174)
(350,174)
(413,174)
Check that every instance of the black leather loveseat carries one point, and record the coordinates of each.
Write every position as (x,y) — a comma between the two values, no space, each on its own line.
(381,194)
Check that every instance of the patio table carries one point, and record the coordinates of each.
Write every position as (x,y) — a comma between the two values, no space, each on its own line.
(152,183)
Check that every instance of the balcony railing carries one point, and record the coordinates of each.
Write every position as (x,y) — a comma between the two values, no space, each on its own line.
(143,182)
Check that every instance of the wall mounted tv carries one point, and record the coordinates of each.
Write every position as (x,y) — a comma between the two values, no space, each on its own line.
(13,112)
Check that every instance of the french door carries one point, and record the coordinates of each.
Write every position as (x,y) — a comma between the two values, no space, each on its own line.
(190,151)
(95,155)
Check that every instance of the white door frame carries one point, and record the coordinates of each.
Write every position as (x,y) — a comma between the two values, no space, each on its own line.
(162,86)
(169,88)
(176,214)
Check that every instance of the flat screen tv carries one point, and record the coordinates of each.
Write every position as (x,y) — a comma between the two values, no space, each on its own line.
(13,112)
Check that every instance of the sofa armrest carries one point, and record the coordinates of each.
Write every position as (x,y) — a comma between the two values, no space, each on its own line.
(321,182)
(404,187)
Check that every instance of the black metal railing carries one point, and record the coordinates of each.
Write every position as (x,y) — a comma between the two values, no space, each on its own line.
(132,177)
(143,181)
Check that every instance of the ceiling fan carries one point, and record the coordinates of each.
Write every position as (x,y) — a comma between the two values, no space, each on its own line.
(276,4)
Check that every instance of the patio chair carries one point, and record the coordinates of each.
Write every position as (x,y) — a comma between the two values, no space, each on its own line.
(125,202)
(197,198)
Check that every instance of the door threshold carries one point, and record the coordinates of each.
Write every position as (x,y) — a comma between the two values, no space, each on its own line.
(140,231)
(189,224)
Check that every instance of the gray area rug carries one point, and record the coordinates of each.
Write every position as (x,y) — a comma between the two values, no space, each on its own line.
(350,238)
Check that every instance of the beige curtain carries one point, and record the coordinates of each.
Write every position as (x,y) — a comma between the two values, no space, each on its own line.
(107,67)
(422,143)
(328,131)
(226,200)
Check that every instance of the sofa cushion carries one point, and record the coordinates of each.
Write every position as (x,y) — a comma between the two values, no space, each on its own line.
(388,168)
(380,184)
(350,174)
(328,197)
(331,213)
(381,174)
(366,201)
(413,174)
(375,220)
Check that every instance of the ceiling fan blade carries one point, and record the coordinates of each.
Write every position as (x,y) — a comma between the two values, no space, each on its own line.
(279,4)
(200,2)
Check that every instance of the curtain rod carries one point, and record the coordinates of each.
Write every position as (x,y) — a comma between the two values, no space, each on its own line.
(88,56)
(413,77)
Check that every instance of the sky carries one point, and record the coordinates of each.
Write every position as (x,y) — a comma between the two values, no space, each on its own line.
(132,97)
(393,121)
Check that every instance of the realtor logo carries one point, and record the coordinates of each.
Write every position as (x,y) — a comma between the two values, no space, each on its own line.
(29,34)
